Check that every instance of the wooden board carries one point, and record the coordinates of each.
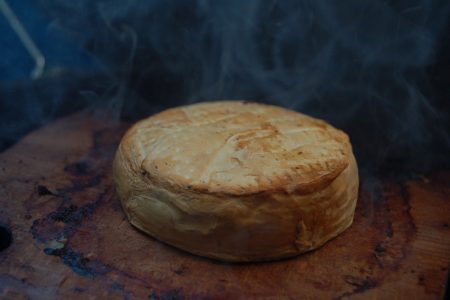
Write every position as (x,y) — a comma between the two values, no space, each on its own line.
(71,239)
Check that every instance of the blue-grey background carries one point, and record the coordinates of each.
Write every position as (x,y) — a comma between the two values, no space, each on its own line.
(60,51)
(377,69)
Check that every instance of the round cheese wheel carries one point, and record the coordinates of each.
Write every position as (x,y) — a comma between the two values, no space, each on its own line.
(236,180)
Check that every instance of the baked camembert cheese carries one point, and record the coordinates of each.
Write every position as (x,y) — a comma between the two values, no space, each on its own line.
(237,181)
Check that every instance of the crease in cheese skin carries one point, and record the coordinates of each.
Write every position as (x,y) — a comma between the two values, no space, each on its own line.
(237,182)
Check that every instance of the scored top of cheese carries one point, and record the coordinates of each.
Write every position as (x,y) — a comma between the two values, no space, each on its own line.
(238,148)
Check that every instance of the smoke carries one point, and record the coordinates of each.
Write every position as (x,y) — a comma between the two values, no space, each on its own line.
(368,67)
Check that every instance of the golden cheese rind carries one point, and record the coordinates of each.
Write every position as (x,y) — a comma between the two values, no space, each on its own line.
(237,181)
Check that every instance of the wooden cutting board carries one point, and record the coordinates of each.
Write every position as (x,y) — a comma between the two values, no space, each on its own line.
(70,238)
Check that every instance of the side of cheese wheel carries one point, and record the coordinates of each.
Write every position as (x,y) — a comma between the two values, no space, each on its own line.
(237,181)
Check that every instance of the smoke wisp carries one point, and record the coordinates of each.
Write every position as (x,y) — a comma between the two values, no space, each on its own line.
(368,67)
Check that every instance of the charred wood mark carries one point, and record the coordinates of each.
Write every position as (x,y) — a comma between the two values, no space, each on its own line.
(42,190)
(79,290)
(64,193)
(55,230)
(85,173)
(360,285)
(105,142)
(46,229)
(78,263)
(380,253)
(80,168)
(404,192)
(380,250)
(118,287)
(180,270)
(421,279)
(85,267)
(72,214)
(79,185)
(6,238)
(176,294)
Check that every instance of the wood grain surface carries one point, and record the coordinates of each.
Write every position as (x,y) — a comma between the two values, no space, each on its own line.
(71,240)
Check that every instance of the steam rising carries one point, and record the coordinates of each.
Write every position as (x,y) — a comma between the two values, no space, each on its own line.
(361,65)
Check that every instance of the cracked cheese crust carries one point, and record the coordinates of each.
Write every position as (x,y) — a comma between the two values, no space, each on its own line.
(237,181)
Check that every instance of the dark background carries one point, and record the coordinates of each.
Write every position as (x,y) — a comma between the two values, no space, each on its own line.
(377,69)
